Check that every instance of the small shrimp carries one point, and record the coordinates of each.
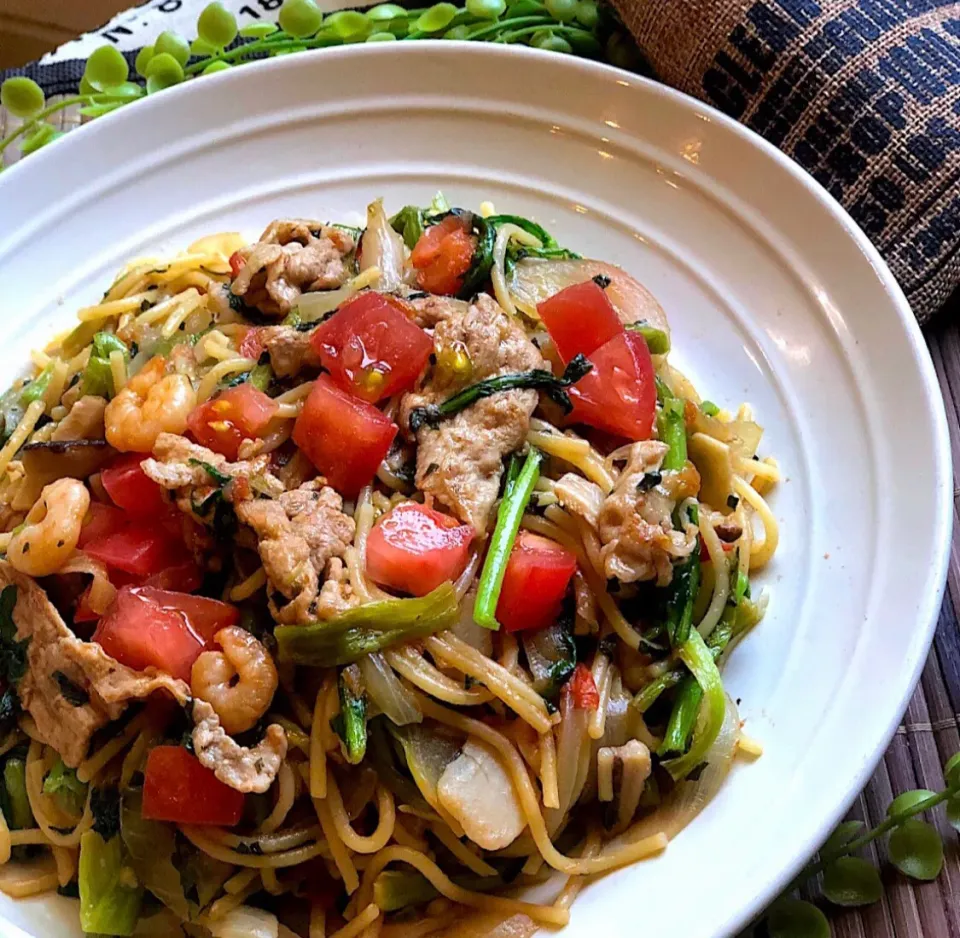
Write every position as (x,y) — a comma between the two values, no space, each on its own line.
(238,682)
(51,529)
(150,403)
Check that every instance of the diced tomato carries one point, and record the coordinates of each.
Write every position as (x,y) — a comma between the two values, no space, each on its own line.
(224,422)
(443,256)
(131,488)
(619,394)
(583,688)
(160,628)
(178,789)
(182,577)
(138,548)
(251,346)
(580,319)
(371,348)
(414,549)
(345,438)
(101,520)
(535,582)
(237,263)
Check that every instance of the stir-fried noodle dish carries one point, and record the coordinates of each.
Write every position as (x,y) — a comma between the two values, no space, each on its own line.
(356,581)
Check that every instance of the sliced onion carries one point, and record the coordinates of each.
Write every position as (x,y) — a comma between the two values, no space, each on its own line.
(245,922)
(387,691)
(384,248)
(573,759)
(102,591)
(428,753)
(314,306)
(468,631)
(688,798)
(534,280)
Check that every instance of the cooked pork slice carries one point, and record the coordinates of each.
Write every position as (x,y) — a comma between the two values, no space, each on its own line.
(71,688)
(461,461)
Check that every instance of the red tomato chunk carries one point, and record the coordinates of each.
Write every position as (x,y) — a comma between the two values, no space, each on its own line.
(535,582)
(237,263)
(148,627)
(580,319)
(583,689)
(131,489)
(371,348)
(619,395)
(414,549)
(224,422)
(443,256)
(138,548)
(178,789)
(345,438)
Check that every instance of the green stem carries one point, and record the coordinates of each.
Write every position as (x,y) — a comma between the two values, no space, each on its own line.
(504,534)
(553,26)
(46,112)
(893,821)
(686,705)
(516,21)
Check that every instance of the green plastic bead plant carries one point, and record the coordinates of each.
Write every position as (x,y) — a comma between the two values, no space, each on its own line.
(580,27)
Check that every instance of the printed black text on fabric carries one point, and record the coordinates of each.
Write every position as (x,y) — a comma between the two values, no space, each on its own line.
(863,112)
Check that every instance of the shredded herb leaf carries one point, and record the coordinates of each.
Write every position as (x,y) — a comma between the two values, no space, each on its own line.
(537,379)
(73,693)
(13,653)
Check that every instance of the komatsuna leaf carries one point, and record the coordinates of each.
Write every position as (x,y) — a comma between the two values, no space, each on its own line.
(851,882)
(794,918)
(915,848)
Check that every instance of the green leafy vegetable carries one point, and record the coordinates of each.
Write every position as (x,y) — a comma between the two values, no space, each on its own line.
(686,706)
(699,659)
(38,387)
(105,805)
(658,341)
(367,628)
(516,494)
(351,723)
(72,692)
(66,789)
(671,427)
(409,223)
(109,894)
(537,379)
(682,592)
(398,889)
(13,652)
(98,375)
(221,478)
(17,804)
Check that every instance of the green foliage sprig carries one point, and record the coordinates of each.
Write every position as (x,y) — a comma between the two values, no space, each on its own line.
(578,27)
(914,847)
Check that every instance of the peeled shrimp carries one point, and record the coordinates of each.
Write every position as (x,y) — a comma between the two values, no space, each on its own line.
(150,403)
(51,529)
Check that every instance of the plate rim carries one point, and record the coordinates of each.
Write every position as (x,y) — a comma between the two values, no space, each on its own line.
(929,603)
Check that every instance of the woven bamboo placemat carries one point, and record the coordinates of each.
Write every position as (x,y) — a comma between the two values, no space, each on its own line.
(930,731)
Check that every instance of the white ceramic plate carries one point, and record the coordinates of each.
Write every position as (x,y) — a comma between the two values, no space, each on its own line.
(775,297)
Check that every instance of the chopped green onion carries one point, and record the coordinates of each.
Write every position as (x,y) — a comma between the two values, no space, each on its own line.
(709,408)
(514,502)
(371,627)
